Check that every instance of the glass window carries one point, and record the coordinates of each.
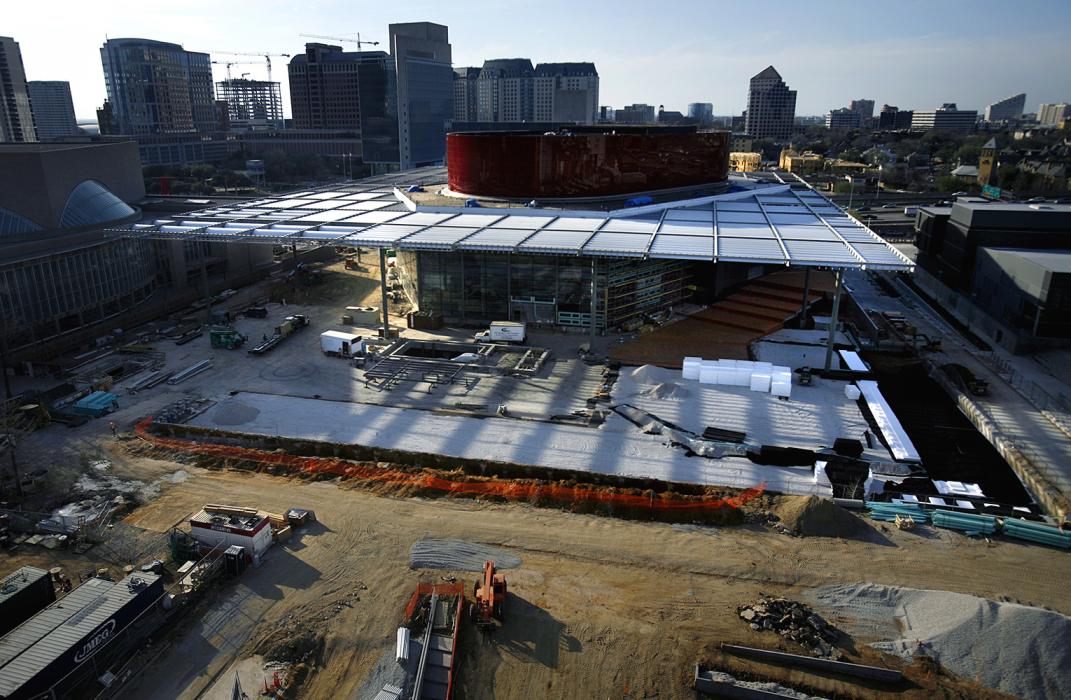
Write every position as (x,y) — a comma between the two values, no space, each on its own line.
(10,222)
(91,203)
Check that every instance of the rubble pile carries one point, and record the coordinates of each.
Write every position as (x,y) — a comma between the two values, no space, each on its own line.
(793,621)
(182,410)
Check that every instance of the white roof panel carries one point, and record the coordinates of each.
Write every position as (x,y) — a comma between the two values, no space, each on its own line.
(806,233)
(422,219)
(690,215)
(647,226)
(436,237)
(555,241)
(369,218)
(687,228)
(327,216)
(744,230)
(815,251)
(370,205)
(741,217)
(575,223)
(472,220)
(521,221)
(749,249)
(384,233)
(630,244)
(362,196)
(683,247)
(494,239)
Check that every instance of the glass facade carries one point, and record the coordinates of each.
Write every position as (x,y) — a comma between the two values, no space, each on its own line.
(91,203)
(52,294)
(379,110)
(551,290)
(12,223)
(431,105)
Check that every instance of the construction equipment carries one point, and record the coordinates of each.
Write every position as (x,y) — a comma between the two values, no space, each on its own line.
(266,56)
(347,40)
(226,337)
(490,595)
(233,63)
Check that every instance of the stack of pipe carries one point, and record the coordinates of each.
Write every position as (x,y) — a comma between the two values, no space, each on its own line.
(965,522)
(889,511)
(1040,533)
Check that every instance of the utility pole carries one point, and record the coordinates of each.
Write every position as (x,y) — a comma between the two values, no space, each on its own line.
(833,319)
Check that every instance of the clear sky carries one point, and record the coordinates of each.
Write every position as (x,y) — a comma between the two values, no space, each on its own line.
(911,53)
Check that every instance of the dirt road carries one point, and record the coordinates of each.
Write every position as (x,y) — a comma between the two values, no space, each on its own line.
(600,608)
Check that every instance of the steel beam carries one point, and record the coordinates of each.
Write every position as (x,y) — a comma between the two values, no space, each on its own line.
(838,279)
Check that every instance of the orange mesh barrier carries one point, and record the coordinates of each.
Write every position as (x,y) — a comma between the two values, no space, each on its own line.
(579,497)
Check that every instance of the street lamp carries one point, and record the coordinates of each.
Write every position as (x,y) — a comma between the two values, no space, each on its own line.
(851,193)
(880,168)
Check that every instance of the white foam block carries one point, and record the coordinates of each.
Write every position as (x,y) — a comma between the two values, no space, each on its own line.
(760,382)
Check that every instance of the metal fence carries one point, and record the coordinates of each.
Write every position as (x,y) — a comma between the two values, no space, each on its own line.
(1055,406)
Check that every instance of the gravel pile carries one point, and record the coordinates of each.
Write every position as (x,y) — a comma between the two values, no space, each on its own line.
(1017,649)
(457,555)
(817,517)
(792,620)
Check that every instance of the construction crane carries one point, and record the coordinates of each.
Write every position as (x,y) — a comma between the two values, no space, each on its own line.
(234,63)
(490,595)
(266,56)
(348,40)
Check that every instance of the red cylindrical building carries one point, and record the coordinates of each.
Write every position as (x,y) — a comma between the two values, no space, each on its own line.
(584,163)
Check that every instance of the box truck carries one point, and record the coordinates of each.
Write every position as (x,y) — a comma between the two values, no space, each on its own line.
(340,343)
(503,332)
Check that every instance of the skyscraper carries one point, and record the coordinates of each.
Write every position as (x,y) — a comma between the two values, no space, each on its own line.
(771,106)
(158,88)
(1008,108)
(251,102)
(425,80)
(566,92)
(347,91)
(701,112)
(53,109)
(465,97)
(16,119)
(864,108)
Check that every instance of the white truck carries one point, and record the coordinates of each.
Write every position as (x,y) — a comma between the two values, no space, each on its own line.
(503,332)
(340,343)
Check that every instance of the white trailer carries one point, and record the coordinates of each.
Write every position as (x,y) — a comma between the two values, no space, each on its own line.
(340,343)
(503,332)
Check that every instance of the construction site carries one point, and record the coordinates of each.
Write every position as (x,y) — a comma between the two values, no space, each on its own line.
(800,481)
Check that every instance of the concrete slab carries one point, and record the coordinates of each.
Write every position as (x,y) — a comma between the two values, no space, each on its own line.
(617,447)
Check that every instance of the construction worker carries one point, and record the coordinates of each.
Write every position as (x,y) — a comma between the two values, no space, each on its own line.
(114,427)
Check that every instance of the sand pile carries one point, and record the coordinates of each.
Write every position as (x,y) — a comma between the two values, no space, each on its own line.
(817,517)
(666,390)
(1017,649)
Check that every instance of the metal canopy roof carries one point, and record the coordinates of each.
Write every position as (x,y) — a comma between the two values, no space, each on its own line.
(771,224)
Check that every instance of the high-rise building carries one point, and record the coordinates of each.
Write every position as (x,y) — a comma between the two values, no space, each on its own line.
(864,108)
(158,88)
(53,109)
(606,114)
(892,117)
(465,97)
(16,118)
(947,118)
(512,90)
(771,106)
(565,92)
(324,92)
(843,118)
(425,83)
(347,91)
(635,114)
(505,90)
(251,102)
(1006,109)
(701,112)
(1053,113)
(106,120)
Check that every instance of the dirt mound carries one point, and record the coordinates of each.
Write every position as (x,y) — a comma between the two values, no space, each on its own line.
(817,517)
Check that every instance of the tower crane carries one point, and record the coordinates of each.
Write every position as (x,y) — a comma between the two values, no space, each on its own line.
(266,56)
(348,40)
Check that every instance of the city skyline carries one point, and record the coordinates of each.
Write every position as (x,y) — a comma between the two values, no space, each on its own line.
(919,60)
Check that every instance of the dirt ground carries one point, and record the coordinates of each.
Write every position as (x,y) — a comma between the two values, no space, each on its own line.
(599,608)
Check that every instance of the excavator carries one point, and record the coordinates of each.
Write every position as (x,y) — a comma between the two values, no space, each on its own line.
(490,595)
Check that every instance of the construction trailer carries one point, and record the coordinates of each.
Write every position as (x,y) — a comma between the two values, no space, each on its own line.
(74,639)
(229,525)
(226,337)
(22,594)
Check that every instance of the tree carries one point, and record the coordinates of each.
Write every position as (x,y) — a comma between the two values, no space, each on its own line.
(947,183)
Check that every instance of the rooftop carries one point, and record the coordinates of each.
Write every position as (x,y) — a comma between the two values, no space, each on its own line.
(761,223)
(1056,261)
